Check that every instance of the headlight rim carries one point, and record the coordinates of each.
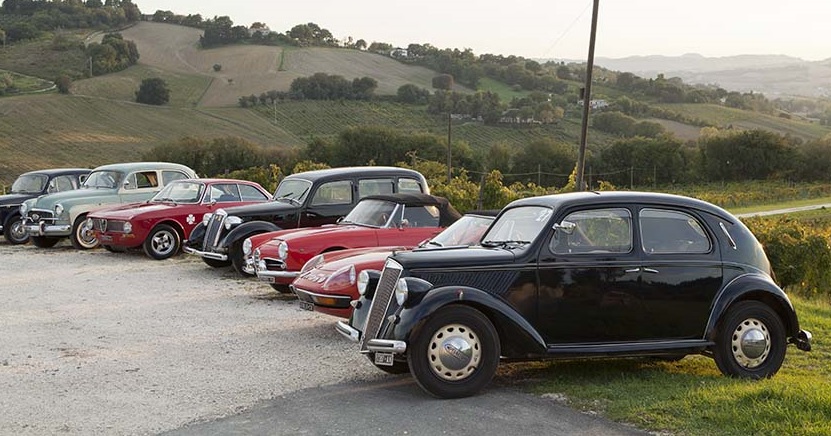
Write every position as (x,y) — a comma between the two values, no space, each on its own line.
(401,291)
(283,250)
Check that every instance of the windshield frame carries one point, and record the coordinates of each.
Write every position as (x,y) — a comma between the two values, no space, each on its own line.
(163,195)
(44,181)
(364,214)
(458,233)
(521,225)
(285,190)
(117,176)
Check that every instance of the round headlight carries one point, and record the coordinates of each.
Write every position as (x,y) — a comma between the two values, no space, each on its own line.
(363,281)
(247,245)
(58,209)
(23,209)
(401,292)
(206,218)
(341,278)
(283,250)
(232,221)
(128,228)
(312,264)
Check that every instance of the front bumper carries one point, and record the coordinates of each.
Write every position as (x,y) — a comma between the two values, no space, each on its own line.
(43,229)
(803,340)
(323,300)
(284,277)
(372,345)
(207,254)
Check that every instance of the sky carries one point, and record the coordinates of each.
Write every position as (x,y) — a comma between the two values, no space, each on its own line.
(545,29)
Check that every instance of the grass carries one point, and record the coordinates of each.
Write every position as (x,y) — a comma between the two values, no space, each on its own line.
(26,84)
(691,397)
(186,89)
(783,205)
(38,59)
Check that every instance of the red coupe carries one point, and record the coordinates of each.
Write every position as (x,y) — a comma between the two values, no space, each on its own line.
(403,219)
(163,222)
(329,281)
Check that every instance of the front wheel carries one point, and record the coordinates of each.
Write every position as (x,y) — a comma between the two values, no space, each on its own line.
(44,241)
(455,353)
(162,242)
(750,341)
(14,231)
(82,237)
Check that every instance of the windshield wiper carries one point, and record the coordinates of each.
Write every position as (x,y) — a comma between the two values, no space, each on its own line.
(437,244)
(290,199)
(503,243)
(168,199)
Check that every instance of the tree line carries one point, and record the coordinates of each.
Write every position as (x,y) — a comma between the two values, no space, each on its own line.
(29,19)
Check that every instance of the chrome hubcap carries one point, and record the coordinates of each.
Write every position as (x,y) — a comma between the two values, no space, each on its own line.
(751,343)
(162,242)
(17,230)
(454,352)
(86,236)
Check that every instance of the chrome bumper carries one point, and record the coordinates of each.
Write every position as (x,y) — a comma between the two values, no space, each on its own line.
(803,340)
(334,301)
(373,345)
(41,229)
(208,254)
(269,276)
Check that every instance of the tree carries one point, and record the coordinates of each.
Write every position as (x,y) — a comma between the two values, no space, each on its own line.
(153,91)
(64,83)
(443,81)
(412,94)
(360,44)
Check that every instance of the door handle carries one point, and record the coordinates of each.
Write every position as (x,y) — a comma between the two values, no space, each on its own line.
(650,270)
(633,270)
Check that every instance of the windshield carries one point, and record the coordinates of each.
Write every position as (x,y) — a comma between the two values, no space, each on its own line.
(293,190)
(29,184)
(466,231)
(519,225)
(180,192)
(374,213)
(103,179)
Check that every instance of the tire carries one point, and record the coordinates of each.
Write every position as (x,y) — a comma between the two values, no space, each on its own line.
(44,241)
(163,242)
(398,367)
(238,258)
(14,232)
(471,365)
(736,356)
(216,263)
(283,289)
(81,237)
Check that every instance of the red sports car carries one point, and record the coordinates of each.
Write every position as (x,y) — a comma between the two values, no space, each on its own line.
(163,222)
(329,281)
(403,219)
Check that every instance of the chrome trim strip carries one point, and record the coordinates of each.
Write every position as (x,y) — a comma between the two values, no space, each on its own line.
(386,346)
(264,275)
(44,230)
(208,254)
(726,233)
(347,331)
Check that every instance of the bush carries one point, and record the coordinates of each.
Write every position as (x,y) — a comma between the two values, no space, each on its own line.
(217,67)
(153,91)
(64,83)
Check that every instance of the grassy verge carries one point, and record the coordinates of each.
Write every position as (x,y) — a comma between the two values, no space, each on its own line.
(783,205)
(691,396)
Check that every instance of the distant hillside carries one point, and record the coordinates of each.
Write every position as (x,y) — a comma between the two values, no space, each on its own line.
(773,75)
(254,69)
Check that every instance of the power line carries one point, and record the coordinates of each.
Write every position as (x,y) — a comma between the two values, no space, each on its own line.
(565,32)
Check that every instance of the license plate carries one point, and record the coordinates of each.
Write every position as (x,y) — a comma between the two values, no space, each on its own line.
(384,359)
(305,305)
(268,279)
(106,238)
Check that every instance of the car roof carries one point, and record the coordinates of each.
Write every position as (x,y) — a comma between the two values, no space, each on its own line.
(59,171)
(355,171)
(138,166)
(217,180)
(621,197)
(447,213)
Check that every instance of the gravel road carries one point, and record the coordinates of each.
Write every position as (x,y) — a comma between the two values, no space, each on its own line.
(102,343)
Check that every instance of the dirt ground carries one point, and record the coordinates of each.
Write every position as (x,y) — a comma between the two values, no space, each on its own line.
(102,343)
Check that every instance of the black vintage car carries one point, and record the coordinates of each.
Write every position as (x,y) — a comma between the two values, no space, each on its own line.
(30,185)
(579,275)
(307,199)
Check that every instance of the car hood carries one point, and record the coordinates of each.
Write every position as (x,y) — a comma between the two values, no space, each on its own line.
(454,257)
(131,210)
(362,258)
(329,230)
(14,199)
(49,200)
(268,207)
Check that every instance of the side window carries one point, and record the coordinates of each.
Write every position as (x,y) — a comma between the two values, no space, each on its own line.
(421,216)
(594,231)
(63,183)
(225,193)
(374,187)
(141,180)
(333,193)
(169,176)
(409,185)
(670,231)
(250,193)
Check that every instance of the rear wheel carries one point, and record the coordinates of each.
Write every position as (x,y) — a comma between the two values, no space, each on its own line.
(82,237)
(455,353)
(215,263)
(44,241)
(162,242)
(14,231)
(750,342)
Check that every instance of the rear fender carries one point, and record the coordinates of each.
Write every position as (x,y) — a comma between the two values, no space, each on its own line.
(516,335)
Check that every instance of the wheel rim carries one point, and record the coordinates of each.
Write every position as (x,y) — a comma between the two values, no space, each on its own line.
(85,236)
(751,343)
(454,352)
(162,242)
(17,231)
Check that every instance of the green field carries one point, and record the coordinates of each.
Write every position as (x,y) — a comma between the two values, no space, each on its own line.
(185,90)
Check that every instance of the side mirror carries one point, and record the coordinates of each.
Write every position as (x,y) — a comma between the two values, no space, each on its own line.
(566,227)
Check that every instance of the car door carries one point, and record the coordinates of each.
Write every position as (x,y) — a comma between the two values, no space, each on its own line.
(330,201)
(589,273)
(681,272)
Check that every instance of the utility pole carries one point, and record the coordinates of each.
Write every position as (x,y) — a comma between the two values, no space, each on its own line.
(449,148)
(581,158)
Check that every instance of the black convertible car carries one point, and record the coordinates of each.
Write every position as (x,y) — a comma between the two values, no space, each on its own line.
(579,275)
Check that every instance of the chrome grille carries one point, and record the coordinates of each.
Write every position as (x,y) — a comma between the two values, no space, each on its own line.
(104,225)
(38,215)
(381,302)
(214,229)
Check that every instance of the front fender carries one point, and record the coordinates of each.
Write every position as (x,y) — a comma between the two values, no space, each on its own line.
(517,336)
(247,229)
(753,287)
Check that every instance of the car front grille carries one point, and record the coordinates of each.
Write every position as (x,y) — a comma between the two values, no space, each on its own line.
(382,302)
(37,216)
(104,225)
(214,230)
